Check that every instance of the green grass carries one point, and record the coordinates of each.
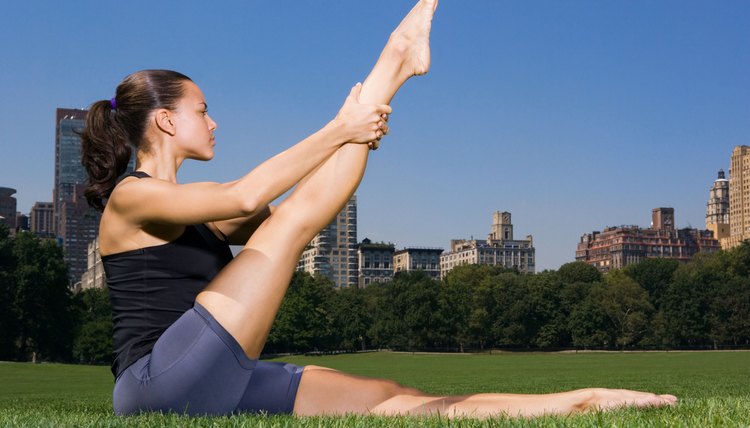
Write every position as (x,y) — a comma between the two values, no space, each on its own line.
(714,388)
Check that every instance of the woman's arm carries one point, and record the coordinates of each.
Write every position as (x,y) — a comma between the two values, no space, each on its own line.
(238,230)
(151,200)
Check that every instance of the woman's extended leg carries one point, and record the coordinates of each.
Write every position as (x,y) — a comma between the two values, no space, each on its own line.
(246,295)
(326,391)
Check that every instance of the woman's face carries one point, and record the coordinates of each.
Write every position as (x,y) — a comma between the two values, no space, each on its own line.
(194,128)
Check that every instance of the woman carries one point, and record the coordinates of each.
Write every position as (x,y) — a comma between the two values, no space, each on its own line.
(190,322)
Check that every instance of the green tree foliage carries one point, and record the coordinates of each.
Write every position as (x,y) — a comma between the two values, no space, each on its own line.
(9,322)
(351,319)
(41,299)
(93,341)
(404,312)
(581,272)
(654,275)
(627,307)
(305,321)
(588,321)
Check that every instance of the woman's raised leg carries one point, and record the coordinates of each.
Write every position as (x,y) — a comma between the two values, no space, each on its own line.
(246,295)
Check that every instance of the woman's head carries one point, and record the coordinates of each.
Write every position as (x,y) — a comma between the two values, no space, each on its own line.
(114,126)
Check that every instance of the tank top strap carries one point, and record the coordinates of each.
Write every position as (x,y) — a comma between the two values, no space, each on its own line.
(137,174)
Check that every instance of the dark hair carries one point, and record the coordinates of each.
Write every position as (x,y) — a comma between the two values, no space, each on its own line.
(114,126)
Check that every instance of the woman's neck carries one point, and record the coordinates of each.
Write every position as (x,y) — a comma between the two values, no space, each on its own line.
(158,165)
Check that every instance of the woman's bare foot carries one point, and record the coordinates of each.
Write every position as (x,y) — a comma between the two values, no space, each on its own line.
(607,399)
(410,41)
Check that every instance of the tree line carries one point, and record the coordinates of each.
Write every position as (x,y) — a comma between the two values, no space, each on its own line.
(655,304)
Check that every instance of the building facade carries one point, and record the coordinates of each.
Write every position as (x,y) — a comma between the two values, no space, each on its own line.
(333,251)
(94,276)
(717,208)
(499,249)
(8,207)
(79,225)
(739,198)
(375,261)
(617,247)
(426,260)
(41,220)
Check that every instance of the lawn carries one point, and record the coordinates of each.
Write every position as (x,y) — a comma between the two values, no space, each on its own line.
(714,388)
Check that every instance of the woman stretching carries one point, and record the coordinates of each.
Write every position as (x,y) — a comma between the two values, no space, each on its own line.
(190,321)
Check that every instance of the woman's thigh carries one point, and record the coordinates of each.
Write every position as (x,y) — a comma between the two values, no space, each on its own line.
(195,368)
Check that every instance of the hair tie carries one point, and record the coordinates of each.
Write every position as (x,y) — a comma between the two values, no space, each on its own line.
(113,103)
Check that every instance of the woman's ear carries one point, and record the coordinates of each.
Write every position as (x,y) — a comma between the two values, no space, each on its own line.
(164,122)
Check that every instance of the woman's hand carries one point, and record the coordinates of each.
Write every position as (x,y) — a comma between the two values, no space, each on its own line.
(363,123)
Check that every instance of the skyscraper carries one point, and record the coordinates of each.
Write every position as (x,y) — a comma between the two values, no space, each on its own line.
(739,198)
(74,221)
(333,251)
(717,208)
(68,169)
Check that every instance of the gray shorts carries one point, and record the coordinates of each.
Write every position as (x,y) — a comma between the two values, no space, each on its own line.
(197,368)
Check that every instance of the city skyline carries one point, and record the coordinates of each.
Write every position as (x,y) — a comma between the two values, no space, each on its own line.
(571,116)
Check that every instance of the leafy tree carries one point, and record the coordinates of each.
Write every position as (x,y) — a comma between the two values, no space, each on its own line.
(93,340)
(510,310)
(581,272)
(627,306)
(548,315)
(9,325)
(404,312)
(351,319)
(684,311)
(654,275)
(42,299)
(466,305)
(304,322)
(588,322)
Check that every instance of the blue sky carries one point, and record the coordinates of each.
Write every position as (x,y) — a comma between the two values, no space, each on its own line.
(572,115)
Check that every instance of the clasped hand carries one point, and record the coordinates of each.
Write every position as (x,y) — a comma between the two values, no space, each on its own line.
(363,123)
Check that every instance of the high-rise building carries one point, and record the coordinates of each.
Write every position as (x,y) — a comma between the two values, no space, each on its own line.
(68,169)
(739,198)
(426,260)
(617,247)
(8,207)
(333,251)
(717,208)
(75,223)
(42,219)
(375,262)
(500,249)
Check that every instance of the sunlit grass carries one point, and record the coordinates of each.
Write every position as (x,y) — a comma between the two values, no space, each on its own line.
(714,388)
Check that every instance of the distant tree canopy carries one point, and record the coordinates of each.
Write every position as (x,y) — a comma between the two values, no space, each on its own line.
(35,305)
(658,303)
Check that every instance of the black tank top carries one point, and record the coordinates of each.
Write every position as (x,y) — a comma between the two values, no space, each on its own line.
(151,287)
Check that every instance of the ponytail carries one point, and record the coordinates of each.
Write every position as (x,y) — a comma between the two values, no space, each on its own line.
(113,127)
(105,152)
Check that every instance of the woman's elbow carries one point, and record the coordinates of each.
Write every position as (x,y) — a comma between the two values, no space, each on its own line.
(249,205)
